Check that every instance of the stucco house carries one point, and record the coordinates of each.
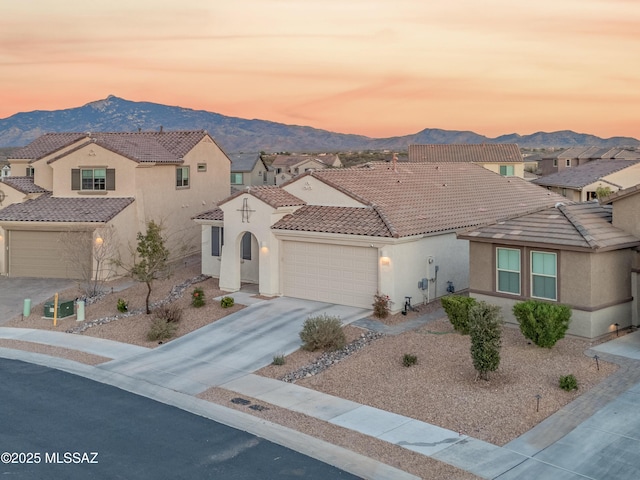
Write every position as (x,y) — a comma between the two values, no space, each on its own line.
(571,253)
(285,167)
(249,169)
(341,235)
(580,183)
(81,186)
(576,156)
(502,158)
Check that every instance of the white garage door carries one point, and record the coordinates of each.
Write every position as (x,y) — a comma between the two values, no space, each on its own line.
(48,254)
(338,274)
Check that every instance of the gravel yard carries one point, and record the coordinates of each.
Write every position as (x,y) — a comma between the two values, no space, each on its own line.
(440,389)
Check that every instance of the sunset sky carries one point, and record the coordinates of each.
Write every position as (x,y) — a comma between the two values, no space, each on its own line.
(376,67)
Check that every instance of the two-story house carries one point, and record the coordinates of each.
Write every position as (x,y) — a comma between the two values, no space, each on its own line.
(249,169)
(77,186)
(285,167)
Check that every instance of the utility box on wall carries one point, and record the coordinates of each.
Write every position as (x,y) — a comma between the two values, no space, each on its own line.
(65,309)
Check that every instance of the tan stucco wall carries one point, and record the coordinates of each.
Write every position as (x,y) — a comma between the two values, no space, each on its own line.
(626,214)
(481,266)
(626,178)
(315,192)
(573,195)
(518,168)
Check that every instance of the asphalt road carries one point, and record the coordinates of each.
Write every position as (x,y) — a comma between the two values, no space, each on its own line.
(56,425)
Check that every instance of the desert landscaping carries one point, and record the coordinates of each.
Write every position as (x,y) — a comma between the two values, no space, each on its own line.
(441,388)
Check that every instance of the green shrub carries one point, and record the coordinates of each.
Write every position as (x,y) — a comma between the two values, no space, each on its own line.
(197,297)
(381,305)
(485,330)
(161,330)
(278,359)
(322,332)
(457,309)
(123,305)
(541,322)
(168,313)
(409,359)
(226,302)
(568,383)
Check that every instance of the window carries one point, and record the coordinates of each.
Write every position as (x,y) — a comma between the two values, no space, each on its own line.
(202,167)
(93,178)
(555,162)
(564,192)
(543,275)
(217,241)
(236,179)
(506,170)
(508,268)
(245,247)
(568,162)
(182,177)
(29,171)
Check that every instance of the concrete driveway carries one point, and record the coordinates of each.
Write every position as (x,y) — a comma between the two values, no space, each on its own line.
(14,290)
(231,347)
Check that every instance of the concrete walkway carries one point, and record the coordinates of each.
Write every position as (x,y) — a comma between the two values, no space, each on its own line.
(601,422)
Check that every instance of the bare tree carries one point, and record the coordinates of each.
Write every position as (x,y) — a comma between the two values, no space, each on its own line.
(90,256)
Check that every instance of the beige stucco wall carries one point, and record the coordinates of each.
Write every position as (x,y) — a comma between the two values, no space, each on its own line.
(626,178)
(626,214)
(573,195)
(316,192)
(518,168)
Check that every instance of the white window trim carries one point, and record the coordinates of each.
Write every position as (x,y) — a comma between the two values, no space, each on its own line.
(188,177)
(531,274)
(519,272)
(93,179)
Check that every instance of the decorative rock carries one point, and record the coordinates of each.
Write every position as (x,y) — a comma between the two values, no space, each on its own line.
(327,359)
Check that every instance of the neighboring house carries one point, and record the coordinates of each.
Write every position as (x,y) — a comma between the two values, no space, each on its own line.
(570,254)
(580,183)
(576,156)
(503,158)
(341,235)
(248,169)
(79,186)
(285,167)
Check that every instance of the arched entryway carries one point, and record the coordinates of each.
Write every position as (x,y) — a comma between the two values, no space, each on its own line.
(249,258)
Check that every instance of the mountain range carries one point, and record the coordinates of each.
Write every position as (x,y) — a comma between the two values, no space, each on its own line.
(235,134)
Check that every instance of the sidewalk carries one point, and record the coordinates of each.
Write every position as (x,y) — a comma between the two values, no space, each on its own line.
(179,370)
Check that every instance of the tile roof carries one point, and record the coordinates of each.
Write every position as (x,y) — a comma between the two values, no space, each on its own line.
(477,153)
(580,226)
(585,174)
(291,160)
(345,220)
(23,184)
(243,162)
(46,144)
(423,198)
(271,195)
(213,214)
(59,209)
(159,147)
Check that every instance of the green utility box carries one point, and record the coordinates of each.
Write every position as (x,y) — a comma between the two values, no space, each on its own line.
(65,309)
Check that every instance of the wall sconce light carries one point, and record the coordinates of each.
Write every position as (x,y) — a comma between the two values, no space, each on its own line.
(1,238)
(384,257)
(99,241)
(263,246)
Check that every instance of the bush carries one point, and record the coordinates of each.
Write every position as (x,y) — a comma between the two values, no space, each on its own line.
(322,332)
(161,330)
(197,297)
(168,313)
(457,309)
(278,359)
(409,359)
(486,331)
(541,322)
(123,305)
(381,304)
(226,302)
(568,383)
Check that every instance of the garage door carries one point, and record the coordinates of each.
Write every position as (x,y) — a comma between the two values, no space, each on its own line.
(330,273)
(48,254)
